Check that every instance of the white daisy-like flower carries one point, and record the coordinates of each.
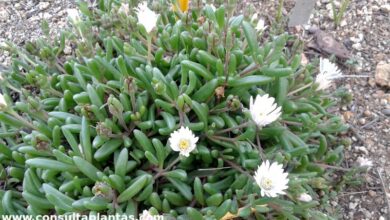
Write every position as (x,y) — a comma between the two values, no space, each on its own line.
(74,15)
(364,162)
(261,25)
(3,103)
(304,197)
(146,215)
(183,141)
(146,17)
(328,72)
(264,110)
(124,8)
(271,179)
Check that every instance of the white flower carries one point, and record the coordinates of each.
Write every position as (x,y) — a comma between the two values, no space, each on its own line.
(124,8)
(183,140)
(304,197)
(271,179)
(364,162)
(74,15)
(146,215)
(254,17)
(328,72)
(264,110)
(261,25)
(146,17)
(3,103)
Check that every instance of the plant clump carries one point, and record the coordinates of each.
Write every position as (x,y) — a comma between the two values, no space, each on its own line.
(193,115)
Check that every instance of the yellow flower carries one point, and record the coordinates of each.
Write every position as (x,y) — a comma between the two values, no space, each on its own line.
(183,5)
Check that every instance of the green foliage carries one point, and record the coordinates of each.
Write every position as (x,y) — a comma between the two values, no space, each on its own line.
(87,131)
(338,15)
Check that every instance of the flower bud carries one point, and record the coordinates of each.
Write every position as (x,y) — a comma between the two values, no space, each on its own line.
(304,197)
(220,92)
(103,190)
(115,106)
(103,130)
(129,85)
(159,87)
(3,103)
(233,103)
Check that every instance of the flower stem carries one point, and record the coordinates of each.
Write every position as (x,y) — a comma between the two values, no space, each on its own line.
(236,167)
(261,152)
(161,172)
(220,110)
(300,89)
(23,120)
(233,128)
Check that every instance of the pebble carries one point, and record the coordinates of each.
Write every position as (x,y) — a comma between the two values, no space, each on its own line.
(43,5)
(385,8)
(352,205)
(3,15)
(357,46)
(362,149)
(367,113)
(372,193)
(362,121)
(382,74)
(386,111)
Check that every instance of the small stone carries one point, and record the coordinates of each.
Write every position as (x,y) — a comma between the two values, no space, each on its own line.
(43,5)
(362,121)
(362,149)
(343,23)
(367,113)
(385,8)
(382,74)
(352,205)
(357,46)
(347,115)
(46,15)
(375,8)
(386,111)
(17,6)
(3,15)
(383,101)
(378,94)
(372,193)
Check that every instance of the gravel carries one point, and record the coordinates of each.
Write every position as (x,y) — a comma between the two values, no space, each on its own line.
(20,21)
(365,31)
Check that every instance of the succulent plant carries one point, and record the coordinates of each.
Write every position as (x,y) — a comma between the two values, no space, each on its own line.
(87,131)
